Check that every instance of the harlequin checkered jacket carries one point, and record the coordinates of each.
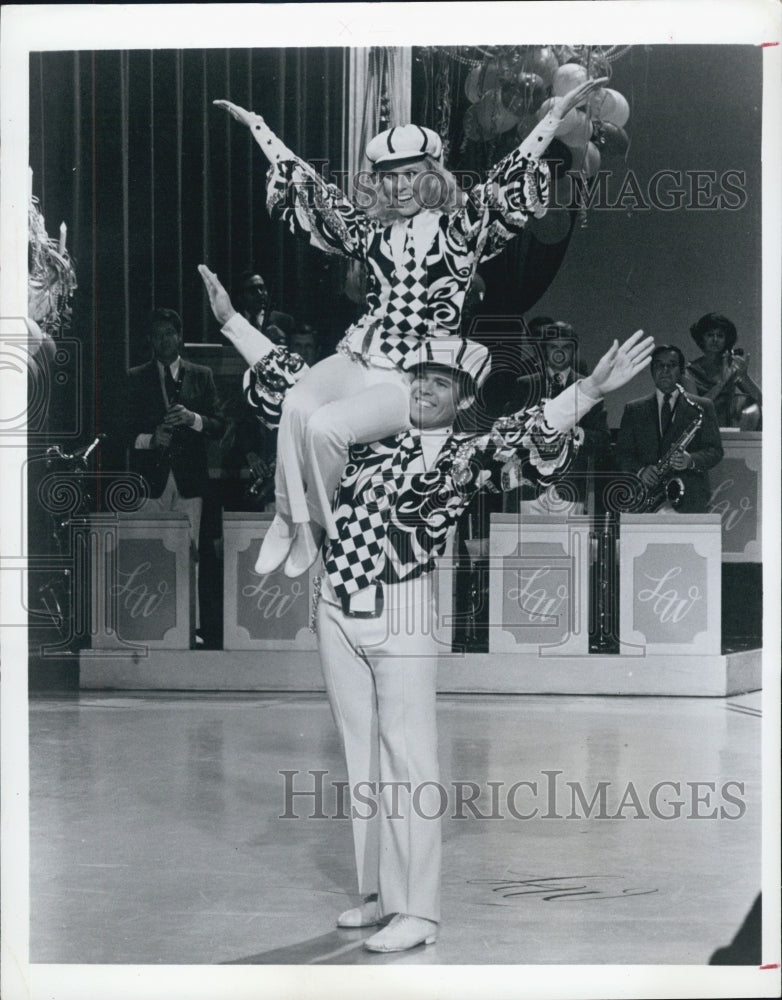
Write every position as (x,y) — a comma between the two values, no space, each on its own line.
(392,523)
(412,294)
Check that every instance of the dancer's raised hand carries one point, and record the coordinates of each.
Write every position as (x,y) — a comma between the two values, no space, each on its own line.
(243,116)
(620,364)
(219,299)
(575,98)
(273,148)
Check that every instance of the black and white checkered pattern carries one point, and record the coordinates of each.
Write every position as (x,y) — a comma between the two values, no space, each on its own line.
(403,321)
(353,558)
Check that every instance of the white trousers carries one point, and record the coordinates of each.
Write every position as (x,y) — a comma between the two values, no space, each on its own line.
(338,403)
(381,679)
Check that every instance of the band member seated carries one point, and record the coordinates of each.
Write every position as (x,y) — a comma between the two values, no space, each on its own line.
(670,439)
(559,367)
(397,502)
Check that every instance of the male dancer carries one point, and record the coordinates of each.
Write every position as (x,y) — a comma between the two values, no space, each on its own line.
(396,503)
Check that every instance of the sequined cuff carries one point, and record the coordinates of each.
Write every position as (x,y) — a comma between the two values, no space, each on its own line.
(276,372)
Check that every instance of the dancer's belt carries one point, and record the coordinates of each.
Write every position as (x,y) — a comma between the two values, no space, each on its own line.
(361,605)
(379,596)
(360,351)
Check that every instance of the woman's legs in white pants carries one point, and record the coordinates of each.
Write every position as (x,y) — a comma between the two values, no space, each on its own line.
(381,410)
(330,379)
(338,403)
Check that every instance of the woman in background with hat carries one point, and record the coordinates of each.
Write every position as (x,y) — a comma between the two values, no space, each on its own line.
(421,239)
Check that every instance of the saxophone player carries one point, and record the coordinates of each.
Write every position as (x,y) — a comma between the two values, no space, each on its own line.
(671,438)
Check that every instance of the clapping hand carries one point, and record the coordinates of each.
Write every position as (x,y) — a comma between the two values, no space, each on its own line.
(620,364)
(178,415)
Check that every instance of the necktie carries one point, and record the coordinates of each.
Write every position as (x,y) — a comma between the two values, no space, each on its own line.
(172,389)
(666,414)
(406,302)
(557,383)
(354,558)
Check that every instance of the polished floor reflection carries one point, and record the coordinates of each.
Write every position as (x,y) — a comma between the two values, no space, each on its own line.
(157,837)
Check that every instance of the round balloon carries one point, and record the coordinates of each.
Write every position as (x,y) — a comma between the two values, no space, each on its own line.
(566,78)
(543,62)
(611,140)
(577,133)
(525,94)
(481,80)
(592,161)
(568,122)
(584,160)
(488,118)
(609,106)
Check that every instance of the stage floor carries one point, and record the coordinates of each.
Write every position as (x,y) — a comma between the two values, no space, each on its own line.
(156,835)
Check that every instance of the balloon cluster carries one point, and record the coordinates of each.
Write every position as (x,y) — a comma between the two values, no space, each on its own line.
(514,88)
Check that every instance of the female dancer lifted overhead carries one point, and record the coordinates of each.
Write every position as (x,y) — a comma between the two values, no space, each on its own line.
(421,239)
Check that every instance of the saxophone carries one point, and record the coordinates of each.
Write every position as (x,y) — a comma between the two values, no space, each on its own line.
(671,488)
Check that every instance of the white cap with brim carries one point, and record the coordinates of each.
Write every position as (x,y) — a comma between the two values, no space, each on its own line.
(457,353)
(403,144)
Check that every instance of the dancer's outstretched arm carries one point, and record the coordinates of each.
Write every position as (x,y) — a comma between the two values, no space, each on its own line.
(273,368)
(518,186)
(537,142)
(542,437)
(272,147)
(297,194)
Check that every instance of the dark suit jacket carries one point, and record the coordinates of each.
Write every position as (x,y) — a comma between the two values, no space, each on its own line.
(639,444)
(145,409)
(529,391)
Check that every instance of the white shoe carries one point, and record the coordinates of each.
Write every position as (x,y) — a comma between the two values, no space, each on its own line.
(403,932)
(366,915)
(275,546)
(304,550)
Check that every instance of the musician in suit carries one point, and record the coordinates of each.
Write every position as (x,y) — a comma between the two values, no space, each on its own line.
(171,410)
(397,502)
(651,426)
(559,367)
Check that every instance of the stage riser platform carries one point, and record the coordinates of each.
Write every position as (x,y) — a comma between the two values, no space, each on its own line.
(474,673)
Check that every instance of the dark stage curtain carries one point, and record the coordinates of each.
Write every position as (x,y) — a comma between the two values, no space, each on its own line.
(152,180)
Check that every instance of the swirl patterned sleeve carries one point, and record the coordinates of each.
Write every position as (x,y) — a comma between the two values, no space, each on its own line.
(311,208)
(517,187)
(266,383)
(533,445)
(272,369)
(520,447)
(297,194)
